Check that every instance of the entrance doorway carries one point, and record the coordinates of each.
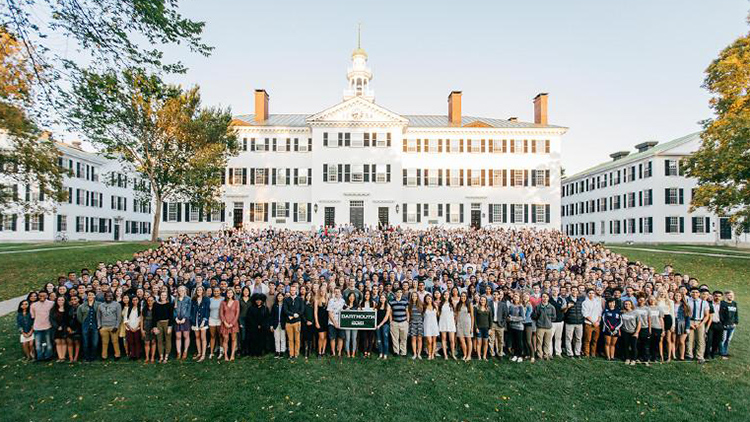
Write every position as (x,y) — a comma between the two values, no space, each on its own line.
(329,217)
(117,231)
(357,214)
(725,229)
(238,214)
(476,216)
(383,216)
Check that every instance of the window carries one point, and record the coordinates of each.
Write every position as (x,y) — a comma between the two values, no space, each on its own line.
(280,209)
(648,225)
(455,177)
(215,215)
(518,213)
(497,145)
(358,173)
(699,225)
(281,177)
(432,177)
(194,213)
(303,146)
(670,168)
(411,177)
(358,141)
(455,145)
(616,202)
(672,196)
(302,177)
(475,145)
(411,213)
(455,214)
(517,177)
(601,227)
(411,145)
(35,222)
(284,145)
(258,212)
(332,173)
(631,199)
(236,178)
(497,178)
(476,178)
(648,197)
(172,211)
(631,226)
(380,142)
(302,212)
(518,146)
(541,214)
(380,173)
(647,171)
(261,176)
(673,225)
(497,213)
(540,178)
(62,223)
(262,146)
(432,145)
(540,146)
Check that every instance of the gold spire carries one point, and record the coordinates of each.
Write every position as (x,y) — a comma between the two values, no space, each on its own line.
(359,51)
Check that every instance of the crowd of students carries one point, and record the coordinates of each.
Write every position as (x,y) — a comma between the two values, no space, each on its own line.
(449,294)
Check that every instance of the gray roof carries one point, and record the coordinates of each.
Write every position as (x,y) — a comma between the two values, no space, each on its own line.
(420,120)
(659,148)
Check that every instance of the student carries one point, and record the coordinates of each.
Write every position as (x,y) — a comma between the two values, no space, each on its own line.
(667,307)
(729,320)
(148,329)
(383,325)
(447,326)
(482,321)
(611,323)
(40,313)
(367,336)
(592,308)
(529,327)
(108,318)
(516,317)
(335,333)
(656,325)
(74,330)
(200,309)
(229,314)
(89,332)
(430,325)
(308,325)
(214,323)
(293,308)
(350,336)
(59,321)
(321,320)
(257,324)
(278,322)
(399,322)
(715,327)
(132,317)
(416,324)
(464,325)
(544,314)
(26,327)
(681,325)
(245,305)
(182,310)
(164,317)
(631,327)
(644,334)
(573,324)
(699,315)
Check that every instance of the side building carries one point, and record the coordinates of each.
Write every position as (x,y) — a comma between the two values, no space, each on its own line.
(642,197)
(357,163)
(102,203)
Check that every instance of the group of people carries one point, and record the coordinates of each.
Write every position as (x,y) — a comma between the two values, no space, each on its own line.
(438,293)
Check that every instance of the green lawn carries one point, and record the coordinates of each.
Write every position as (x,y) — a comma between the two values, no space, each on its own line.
(725,250)
(395,390)
(21,272)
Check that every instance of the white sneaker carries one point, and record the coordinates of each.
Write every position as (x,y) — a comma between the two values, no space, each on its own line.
(519,360)
(513,359)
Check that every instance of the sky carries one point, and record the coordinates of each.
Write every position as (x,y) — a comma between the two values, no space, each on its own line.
(618,73)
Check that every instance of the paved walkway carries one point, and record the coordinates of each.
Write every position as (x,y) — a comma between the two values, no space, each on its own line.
(97,245)
(717,255)
(10,305)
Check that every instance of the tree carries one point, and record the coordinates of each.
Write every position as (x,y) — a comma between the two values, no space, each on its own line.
(171,141)
(722,163)
(27,156)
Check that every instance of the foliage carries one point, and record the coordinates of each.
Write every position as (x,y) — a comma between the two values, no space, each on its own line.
(174,143)
(722,164)
(27,157)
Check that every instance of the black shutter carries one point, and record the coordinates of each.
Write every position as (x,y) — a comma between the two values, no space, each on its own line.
(309,212)
(309,144)
(179,212)
(294,217)
(273,210)
(404,170)
(388,173)
(252,144)
(224,177)
(533,213)
(273,144)
(440,177)
(288,176)
(403,217)
(440,210)
(273,177)
(666,167)
(666,195)
(325,172)
(187,212)
(373,171)
(489,212)
(366,172)
(367,139)
(231,175)
(41,222)
(682,196)
(26,222)
(666,225)
(296,144)
(547,213)
(244,175)
(296,176)
(347,141)
(694,224)
(419,177)
(164,211)
(707,225)
(200,213)
(340,175)
(252,212)
(447,212)
(461,212)
(265,212)
(525,213)
(419,213)
(682,224)
(309,176)
(287,210)
(252,176)
(512,212)
(267,144)
(223,213)
(325,139)
(347,173)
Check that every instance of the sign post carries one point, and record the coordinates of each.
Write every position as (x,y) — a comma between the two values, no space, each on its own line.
(357,319)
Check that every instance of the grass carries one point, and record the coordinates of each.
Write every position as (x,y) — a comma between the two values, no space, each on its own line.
(21,272)
(715,249)
(395,390)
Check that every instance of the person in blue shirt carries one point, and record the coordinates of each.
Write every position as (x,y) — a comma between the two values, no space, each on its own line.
(25,326)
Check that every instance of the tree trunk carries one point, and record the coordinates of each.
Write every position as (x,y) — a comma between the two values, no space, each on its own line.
(157,220)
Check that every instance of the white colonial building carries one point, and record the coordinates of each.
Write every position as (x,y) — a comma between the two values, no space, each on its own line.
(102,204)
(642,197)
(361,164)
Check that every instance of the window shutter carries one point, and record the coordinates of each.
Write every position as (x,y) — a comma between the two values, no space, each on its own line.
(309,176)
(546,177)
(533,213)
(526,178)
(419,213)
(533,146)
(222,217)
(533,178)
(309,144)
(489,212)
(325,172)
(461,145)
(347,172)
(505,213)
(296,176)
(547,214)
(200,213)
(388,173)
(682,224)
(419,177)
(512,213)
(505,177)
(525,213)
(447,177)
(461,176)
(373,172)
(440,210)
(179,212)
(187,212)
(512,177)
(525,146)
(546,146)
(666,195)
(267,142)
(347,141)
(484,145)
(231,175)
(41,222)
(164,211)
(294,217)
(287,210)
(640,225)
(405,145)
(273,177)
(404,213)
(404,171)
(244,175)
(274,144)
(484,179)
(367,139)
(340,176)
(682,196)
(666,167)
(273,210)
(694,224)
(440,145)
(366,175)
(490,145)
(440,177)
(265,212)
(447,212)
(325,139)
(309,212)
(461,212)
(252,144)
(252,212)
(296,144)
(666,225)
(388,139)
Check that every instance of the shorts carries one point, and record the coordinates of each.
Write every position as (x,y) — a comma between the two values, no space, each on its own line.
(483,333)
(197,328)
(182,328)
(667,322)
(26,339)
(334,333)
(214,322)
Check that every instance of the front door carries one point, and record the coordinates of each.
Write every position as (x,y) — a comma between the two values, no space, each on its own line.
(117,232)
(329,215)
(476,219)
(383,216)
(238,214)
(725,229)
(357,214)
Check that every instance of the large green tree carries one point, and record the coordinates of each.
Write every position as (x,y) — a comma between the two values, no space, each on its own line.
(722,164)
(162,131)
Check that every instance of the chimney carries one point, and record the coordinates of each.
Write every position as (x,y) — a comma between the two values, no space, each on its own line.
(512,119)
(619,155)
(645,146)
(540,108)
(261,105)
(454,108)
(76,145)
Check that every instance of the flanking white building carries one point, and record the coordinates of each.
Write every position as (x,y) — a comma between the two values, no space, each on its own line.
(642,197)
(102,204)
(362,164)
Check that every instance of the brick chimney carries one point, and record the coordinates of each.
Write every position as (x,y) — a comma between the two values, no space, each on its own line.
(454,108)
(261,105)
(540,108)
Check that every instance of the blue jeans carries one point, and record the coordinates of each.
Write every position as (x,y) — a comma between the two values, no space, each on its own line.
(350,341)
(90,340)
(43,344)
(383,334)
(726,338)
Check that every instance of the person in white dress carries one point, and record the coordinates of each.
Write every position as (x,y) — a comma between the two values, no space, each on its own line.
(431,330)
(447,325)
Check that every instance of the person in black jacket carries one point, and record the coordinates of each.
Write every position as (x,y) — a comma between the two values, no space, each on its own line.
(293,309)
(573,323)
(729,319)
(278,322)
(256,324)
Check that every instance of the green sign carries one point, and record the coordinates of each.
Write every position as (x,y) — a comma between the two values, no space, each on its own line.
(357,320)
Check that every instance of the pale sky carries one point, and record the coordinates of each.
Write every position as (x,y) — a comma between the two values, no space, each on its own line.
(618,73)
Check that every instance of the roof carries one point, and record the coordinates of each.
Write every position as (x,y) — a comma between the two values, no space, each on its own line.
(420,120)
(659,148)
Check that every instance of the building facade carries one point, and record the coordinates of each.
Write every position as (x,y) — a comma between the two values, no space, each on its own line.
(643,198)
(361,164)
(102,204)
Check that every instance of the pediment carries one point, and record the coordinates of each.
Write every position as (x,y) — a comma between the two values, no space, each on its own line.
(478,123)
(355,111)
